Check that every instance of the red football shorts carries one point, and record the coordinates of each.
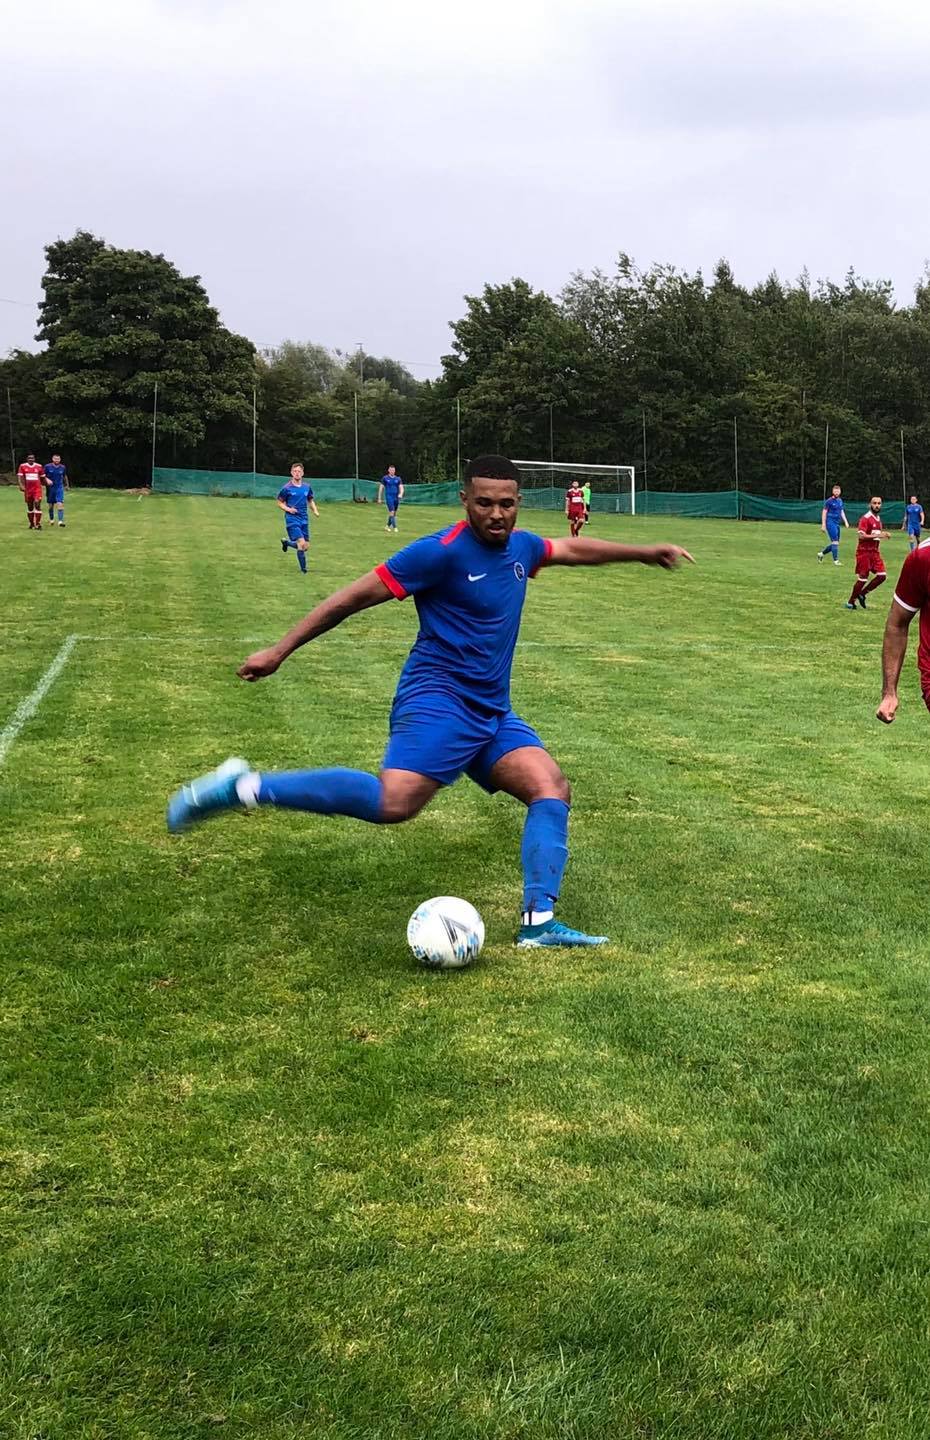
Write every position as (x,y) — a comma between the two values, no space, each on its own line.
(869,562)
(33,491)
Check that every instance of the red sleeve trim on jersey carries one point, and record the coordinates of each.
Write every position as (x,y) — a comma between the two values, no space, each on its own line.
(390,582)
(911,592)
(546,557)
(454,533)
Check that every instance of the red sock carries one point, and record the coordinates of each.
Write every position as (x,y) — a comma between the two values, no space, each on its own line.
(858,589)
(875,582)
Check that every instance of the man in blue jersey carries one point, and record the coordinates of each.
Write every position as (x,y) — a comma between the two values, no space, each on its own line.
(831,517)
(452,712)
(56,479)
(913,522)
(391,491)
(293,499)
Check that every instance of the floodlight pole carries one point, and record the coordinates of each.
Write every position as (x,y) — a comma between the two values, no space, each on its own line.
(903,469)
(458,439)
(551,448)
(254,434)
(9,412)
(154,431)
(355,398)
(826,455)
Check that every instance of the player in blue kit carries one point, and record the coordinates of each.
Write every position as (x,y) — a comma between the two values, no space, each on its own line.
(56,478)
(452,712)
(391,491)
(913,522)
(293,499)
(831,517)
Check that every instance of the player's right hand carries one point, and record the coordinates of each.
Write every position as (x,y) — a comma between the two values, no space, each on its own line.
(669,556)
(887,709)
(257,666)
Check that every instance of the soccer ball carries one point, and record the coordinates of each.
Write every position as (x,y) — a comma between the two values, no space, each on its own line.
(445,933)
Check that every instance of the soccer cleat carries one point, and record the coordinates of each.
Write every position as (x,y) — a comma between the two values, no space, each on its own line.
(862,602)
(819,556)
(553,932)
(206,795)
(284,547)
(837,562)
(850,605)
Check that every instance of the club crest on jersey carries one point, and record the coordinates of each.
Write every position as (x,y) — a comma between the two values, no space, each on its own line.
(519,571)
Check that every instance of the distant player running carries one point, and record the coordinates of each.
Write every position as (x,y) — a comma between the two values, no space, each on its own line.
(868,557)
(831,517)
(911,596)
(575,508)
(56,481)
(293,499)
(30,477)
(452,711)
(391,492)
(586,492)
(913,522)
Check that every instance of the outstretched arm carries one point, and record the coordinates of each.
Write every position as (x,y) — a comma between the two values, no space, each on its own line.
(360,595)
(894,650)
(610,552)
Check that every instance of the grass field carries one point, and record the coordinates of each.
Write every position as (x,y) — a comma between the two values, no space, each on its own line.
(263,1177)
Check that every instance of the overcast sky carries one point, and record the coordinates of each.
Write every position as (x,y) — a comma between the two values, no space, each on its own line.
(346,172)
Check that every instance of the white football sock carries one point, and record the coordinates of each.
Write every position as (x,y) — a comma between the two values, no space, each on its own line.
(247,789)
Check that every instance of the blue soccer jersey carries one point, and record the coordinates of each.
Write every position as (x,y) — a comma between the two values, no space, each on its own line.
(56,475)
(392,484)
(297,495)
(834,509)
(913,518)
(469,598)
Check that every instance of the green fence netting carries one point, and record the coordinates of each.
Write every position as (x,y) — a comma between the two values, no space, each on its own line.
(703,504)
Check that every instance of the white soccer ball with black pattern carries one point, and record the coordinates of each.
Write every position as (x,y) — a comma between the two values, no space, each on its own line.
(445,933)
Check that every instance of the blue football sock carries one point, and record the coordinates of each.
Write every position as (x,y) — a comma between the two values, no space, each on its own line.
(836,550)
(544,853)
(324,792)
(302,560)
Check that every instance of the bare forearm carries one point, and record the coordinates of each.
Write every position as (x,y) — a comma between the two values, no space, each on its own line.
(360,595)
(894,649)
(607,552)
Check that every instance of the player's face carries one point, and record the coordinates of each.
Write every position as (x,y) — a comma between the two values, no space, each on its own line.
(836,492)
(56,459)
(297,473)
(391,470)
(491,507)
(913,499)
(875,505)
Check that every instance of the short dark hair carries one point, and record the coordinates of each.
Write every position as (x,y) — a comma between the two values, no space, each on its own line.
(491,467)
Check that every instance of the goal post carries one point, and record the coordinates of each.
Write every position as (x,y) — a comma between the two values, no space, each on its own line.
(616,480)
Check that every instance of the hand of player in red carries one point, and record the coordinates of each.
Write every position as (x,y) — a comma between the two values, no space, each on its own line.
(257,666)
(887,709)
(668,556)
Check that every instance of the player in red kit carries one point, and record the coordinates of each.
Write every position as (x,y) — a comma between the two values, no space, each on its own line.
(868,558)
(31,480)
(575,509)
(911,596)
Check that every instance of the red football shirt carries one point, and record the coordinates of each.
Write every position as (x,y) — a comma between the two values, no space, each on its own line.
(31,474)
(869,527)
(913,593)
(575,503)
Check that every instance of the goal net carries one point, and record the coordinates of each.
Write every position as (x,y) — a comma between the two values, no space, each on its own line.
(544,483)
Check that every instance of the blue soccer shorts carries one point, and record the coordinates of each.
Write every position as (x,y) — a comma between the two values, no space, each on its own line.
(297,529)
(833,533)
(441,736)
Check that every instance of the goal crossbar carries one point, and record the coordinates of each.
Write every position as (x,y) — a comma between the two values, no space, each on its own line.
(569,467)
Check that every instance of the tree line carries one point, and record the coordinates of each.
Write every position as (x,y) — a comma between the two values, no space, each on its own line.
(682,376)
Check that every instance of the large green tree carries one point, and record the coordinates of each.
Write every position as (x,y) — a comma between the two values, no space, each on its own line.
(118,322)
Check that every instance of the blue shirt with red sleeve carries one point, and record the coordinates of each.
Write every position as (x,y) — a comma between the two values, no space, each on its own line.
(469,598)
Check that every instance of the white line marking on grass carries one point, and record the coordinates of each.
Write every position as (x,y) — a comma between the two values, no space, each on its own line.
(28,707)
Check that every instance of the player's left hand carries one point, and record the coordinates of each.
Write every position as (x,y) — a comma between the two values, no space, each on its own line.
(669,557)
(259,665)
(887,709)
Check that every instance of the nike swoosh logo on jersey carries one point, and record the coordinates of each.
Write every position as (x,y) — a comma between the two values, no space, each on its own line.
(477,577)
